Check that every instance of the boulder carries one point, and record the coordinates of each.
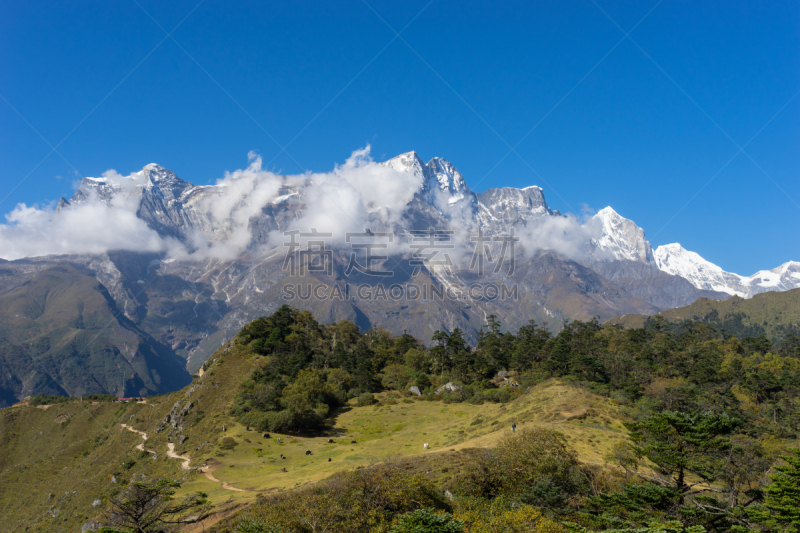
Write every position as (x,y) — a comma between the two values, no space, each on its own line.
(449,386)
(413,389)
(503,374)
(97,503)
(91,525)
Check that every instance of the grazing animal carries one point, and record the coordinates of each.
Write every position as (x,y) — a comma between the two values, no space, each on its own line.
(224,428)
(282,457)
(329,459)
(352,442)
(308,452)
(266,435)
(330,441)
(284,469)
(248,428)
(425,446)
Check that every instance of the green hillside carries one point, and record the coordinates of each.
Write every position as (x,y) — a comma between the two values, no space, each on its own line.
(82,444)
(590,406)
(774,314)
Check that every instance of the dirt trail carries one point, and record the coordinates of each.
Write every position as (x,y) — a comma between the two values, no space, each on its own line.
(139,446)
(208,471)
(172,455)
(185,459)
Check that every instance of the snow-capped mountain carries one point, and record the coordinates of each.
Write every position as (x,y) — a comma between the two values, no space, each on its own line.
(439,177)
(622,238)
(511,206)
(676,260)
(176,208)
(215,254)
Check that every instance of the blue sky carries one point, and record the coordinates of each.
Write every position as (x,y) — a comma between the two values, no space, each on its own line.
(596,119)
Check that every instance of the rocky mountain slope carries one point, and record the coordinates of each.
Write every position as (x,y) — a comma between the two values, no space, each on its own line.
(60,333)
(202,261)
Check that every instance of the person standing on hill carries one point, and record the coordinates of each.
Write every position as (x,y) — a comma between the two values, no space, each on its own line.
(513,427)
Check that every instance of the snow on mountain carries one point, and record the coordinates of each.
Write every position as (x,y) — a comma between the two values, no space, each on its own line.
(674,259)
(407,162)
(167,203)
(153,179)
(445,189)
(510,206)
(442,183)
(173,206)
(448,179)
(621,238)
(782,278)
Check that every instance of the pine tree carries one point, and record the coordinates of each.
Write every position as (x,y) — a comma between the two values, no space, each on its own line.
(781,509)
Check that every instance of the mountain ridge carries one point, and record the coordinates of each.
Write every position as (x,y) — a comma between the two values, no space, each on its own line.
(219,255)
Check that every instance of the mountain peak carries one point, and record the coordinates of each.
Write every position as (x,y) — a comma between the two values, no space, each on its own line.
(622,237)
(676,260)
(441,174)
(608,213)
(438,174)
(515,206)
(164,181)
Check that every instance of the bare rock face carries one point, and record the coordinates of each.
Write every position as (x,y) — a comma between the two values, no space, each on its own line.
(91,525)
(413,389)
(508,206)
(176,420)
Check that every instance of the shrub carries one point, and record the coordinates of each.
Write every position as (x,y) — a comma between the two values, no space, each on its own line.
(365,399)
(256,525)
(227,443)
(487,516)
(366,500)
(535,466)
(45,399)
(427,521)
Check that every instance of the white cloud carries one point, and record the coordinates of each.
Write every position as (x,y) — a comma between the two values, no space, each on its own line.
(565,235)
(357,195)
(91,229)
(354,196)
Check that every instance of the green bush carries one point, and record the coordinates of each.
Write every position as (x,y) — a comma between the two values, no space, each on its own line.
(256,525)
(365,399)
(46,399)
(427,521)
(227,443)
